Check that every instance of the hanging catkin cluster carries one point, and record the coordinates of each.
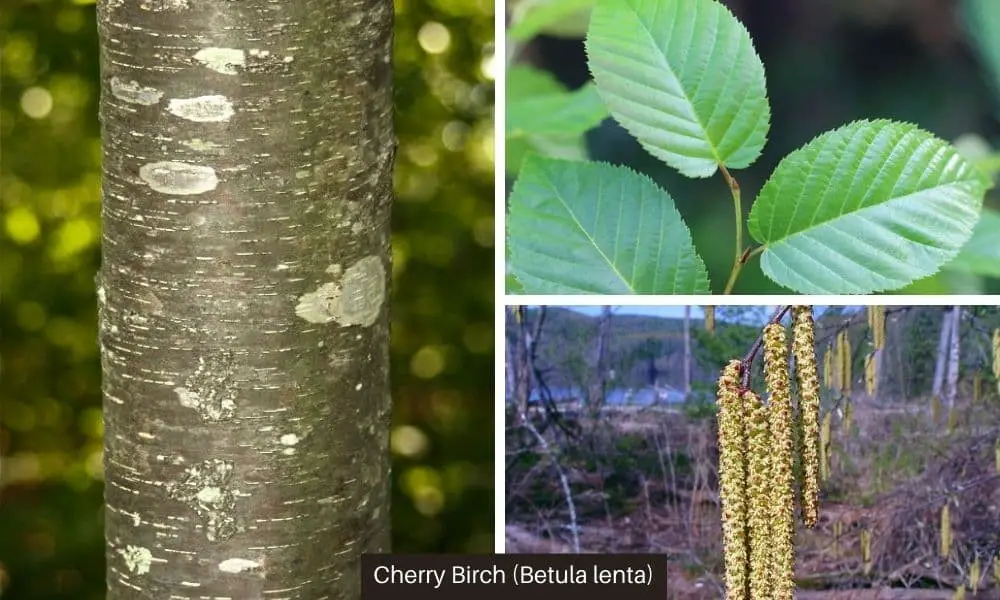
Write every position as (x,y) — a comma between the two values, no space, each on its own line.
(732,481)
(756,463)
(803,348)
(876,322)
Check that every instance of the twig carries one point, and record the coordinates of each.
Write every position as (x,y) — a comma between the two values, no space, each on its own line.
(574,529)
(747,362)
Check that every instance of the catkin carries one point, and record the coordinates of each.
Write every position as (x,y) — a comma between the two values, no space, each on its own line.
(975,573)
(945,548)
(866,550)
(838,364)
(783,460)
(828,367)
(710,319)
(876,322)
(759,496)
(845,364)
(732,420)
(871,375)
(824,446)
(804,350)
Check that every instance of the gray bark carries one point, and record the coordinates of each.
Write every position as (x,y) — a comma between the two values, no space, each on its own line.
(248,152)
(940,361)
(954,352)
(598,366)
(687,352)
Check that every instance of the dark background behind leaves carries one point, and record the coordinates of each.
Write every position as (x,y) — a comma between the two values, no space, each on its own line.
(51,536)
(827,62)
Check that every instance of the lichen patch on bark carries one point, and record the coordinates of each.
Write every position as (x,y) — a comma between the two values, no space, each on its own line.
(202,109)
(206,489)
(179,178)
(356,299)
(238,565)
(137,559)
(227,61)
(132,92)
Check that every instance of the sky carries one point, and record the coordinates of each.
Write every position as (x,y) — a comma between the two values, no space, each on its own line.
(676,312)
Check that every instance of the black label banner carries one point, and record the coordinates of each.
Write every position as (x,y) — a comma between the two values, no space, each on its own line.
(524,576)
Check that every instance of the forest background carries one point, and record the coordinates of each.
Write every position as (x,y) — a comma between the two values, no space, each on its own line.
(611,444)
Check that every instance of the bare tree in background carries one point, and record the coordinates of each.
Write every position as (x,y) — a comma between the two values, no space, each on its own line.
(687,352)
(598,366)
(248,152)
(522,351)
(954,352)
(941,358)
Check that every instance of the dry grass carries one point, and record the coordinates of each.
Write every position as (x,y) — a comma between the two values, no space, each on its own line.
(645,480)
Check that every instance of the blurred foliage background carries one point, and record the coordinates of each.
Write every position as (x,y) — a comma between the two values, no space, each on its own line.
(51,530)
(827,62)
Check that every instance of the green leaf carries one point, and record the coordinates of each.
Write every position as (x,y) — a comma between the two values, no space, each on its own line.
(682,77)
(945,282)
(560,114)
(573,147)
(869,207)
(981,254)
(595,228)
(544,117)
(560,18)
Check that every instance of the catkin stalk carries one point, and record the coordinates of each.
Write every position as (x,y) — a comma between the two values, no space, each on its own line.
(732,420)
(783,459)
(710,319)
(804,350)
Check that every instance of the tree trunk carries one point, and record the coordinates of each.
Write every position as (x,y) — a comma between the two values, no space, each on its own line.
(687,352)
(248,152)
(598,367)
(954,353)
(940,362)
(512,352)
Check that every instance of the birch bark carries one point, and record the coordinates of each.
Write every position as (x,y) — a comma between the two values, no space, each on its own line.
(248,152)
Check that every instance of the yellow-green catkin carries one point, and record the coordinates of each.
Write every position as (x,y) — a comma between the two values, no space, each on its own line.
(828,367)
(782,460)
(759,497)
(975,574)
(732,420)
(710,319)
(804,350)
(996,458)
(846,358)
(871,375)
(824,446)
(876,322)
(838,364)
(945,548)
(996,356)
(866,550)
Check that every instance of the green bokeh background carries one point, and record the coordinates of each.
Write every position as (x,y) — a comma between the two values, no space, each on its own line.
(51,530)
